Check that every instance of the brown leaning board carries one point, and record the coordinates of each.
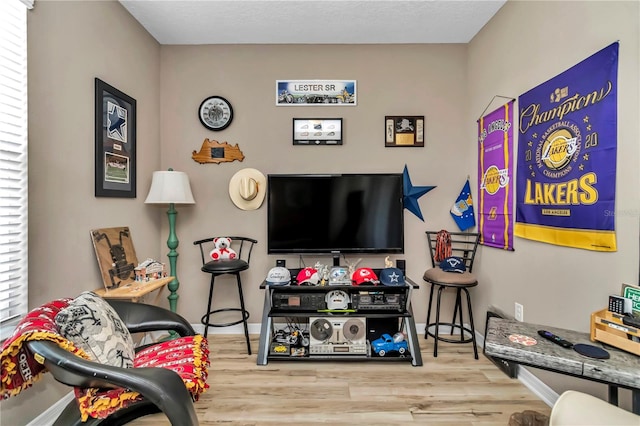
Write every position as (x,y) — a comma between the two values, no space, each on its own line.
(116,255)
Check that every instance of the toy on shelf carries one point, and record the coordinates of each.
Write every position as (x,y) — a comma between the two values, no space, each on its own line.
(223,249)
(323,272)
(352,266)
(386,344)
(150,270)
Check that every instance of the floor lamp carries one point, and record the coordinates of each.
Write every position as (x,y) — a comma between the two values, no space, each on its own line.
(171,187)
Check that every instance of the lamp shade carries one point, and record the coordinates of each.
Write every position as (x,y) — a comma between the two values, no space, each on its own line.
(170,187)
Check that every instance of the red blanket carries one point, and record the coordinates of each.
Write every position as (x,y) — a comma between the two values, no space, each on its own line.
(19,368)
(188,356)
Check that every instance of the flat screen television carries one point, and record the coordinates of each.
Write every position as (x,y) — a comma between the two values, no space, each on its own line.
(335,213)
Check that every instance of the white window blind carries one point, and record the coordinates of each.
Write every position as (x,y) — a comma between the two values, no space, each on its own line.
(13,163)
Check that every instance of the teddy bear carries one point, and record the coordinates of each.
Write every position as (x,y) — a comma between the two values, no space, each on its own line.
(223,249)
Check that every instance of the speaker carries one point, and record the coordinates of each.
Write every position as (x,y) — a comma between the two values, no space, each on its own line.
(401,264)
(281,262)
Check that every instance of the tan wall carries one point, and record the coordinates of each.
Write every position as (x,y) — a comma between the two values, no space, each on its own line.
(525,44)
(69,44)
(424,80)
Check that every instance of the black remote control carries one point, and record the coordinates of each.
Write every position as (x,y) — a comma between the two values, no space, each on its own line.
(555,339)
(631,321)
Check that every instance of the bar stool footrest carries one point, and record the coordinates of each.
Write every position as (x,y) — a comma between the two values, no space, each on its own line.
(245,317)
(452,327)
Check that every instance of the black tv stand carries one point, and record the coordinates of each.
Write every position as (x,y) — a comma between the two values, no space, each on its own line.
(293,304)
(336,259)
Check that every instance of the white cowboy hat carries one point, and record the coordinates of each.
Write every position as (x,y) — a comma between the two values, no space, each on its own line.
(247,189)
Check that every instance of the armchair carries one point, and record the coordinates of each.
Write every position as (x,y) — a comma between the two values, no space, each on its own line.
(165,377)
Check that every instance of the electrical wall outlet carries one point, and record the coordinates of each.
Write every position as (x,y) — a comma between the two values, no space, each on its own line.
(519,312)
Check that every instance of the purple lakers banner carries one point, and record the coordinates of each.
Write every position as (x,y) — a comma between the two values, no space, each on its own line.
(495,177)
(567,156)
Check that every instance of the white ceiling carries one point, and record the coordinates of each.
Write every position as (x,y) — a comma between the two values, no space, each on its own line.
(312,21)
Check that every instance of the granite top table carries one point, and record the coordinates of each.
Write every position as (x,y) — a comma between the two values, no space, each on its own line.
(622,369)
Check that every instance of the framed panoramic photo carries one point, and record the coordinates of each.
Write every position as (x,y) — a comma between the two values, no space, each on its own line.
(115,149)
(316,93)
(317,131)
(404,130)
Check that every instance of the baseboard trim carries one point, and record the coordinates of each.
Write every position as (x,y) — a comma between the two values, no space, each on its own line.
(233,329)
(535,385)
(51,414)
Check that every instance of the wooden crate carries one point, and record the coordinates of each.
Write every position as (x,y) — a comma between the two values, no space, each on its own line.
(607,327)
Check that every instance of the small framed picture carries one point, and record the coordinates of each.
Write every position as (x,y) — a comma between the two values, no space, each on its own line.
(317,131)
(404,130)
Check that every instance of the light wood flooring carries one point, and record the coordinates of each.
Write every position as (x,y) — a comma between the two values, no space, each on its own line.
(452,389)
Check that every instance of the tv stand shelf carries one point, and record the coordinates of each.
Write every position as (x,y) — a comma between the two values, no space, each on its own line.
(302,302)
(275,313)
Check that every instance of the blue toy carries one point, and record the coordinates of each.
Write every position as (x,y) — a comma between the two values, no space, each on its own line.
(386,343)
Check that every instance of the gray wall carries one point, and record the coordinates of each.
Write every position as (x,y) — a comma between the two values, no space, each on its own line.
(70,43)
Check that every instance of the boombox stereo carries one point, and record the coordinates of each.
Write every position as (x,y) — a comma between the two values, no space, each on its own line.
(298,301)
(379,300)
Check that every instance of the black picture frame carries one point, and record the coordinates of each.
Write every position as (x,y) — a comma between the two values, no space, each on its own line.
(404,130)
(115,142)
(317,131)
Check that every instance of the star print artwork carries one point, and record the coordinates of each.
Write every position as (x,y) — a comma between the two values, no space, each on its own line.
(116,122)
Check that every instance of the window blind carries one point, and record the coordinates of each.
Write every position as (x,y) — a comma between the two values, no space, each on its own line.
(13,164)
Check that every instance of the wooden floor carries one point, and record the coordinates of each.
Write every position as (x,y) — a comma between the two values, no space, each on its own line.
(452,389)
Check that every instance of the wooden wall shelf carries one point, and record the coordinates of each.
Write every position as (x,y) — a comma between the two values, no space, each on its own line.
(216,152)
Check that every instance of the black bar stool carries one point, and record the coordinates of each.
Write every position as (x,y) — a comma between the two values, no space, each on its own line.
(243,247)
(462,245)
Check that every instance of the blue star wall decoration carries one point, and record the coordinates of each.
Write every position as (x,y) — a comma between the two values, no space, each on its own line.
(116,122)
(411,194)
